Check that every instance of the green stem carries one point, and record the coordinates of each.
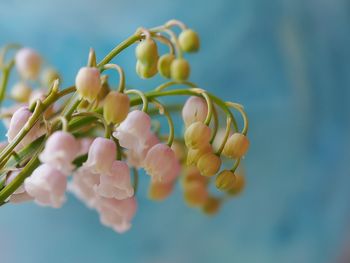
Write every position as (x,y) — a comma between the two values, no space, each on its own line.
(235,166)
(142,96)
(136,180)
(216,125)
(4,80)
(244,115)
(121,86)
(227,134)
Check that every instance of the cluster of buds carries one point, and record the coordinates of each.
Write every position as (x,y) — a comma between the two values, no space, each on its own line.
(94,143)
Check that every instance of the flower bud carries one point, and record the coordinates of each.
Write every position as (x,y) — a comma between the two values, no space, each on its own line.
(28,63)
(164,64)
(209,164)
(192,177)
(180,69)
(238,185)
(147,52)
(197,135)
(193,155)
(179,150)
(211,206)
(189,40)
(195,109)
(146,72)
(158,191)
(196,195)
(48,76)
(21,92)
(88,83)
(116,107)
(236,146)
(225,180)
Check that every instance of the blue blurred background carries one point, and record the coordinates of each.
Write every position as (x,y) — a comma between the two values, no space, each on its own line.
(287,61)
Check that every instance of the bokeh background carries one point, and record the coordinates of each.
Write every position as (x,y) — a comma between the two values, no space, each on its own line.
(287,61)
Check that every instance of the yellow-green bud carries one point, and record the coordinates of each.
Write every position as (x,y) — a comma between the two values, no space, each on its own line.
(196,195)
(147,52)
(116,107)
(48,76)
(197,135)
(225,180)
(164,64)
(236,146)
(211,206)
(189,40)
(193,155)
(238,185)
(180,69)
(209,164)
(21,92)
(146,72)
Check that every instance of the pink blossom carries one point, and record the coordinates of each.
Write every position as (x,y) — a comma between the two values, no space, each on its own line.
(84,144)
(161,163)
(47,186)
(117,214)
(28,63)
(195,109)
(117,183)
(102,154)
(88,83)
(61,149)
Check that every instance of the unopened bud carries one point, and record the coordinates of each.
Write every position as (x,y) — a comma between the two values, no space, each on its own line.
(193,155)
(147,52)
(146,72)
(197,135)
(211,206)
(209,164)
(28,63)
(225,180)
(238,185)
(196,195)
(179,150)
(189,40)
(192,177)
(21,92)
(236,146)
(180,69)
(164,64)
(159,191)
(116,107)
(88,83)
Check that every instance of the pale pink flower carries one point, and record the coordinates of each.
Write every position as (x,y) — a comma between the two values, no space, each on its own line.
(161,163)
(20,195)
(61,149)
(28,63)
(102,154)
(195,109)
(134,131)
(88,83)
(82,186)
(47,185)
(117,214)
(117,183)
(18,120)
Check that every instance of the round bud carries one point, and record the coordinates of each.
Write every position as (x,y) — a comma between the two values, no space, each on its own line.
(28,63)
(195,109)
(48,76)
(164,64)
(189,40)
(192,177)
(88,83)
(193,155)
(158,191)
(236,146)
(209,164)
(238,185)
(147,52)
(116,107)
(197,135)
(146,72)
(180,69)
(225,180)
(211,206)
(21,92)
(196,195)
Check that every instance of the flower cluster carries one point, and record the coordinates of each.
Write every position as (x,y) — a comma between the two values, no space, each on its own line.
(94,144)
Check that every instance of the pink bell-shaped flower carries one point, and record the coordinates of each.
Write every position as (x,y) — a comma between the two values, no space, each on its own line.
(161,163)
(102,154)
(134,131)
(61,149)
(195,109)
(117,214)
(117,183)
(47,186)
(28,63)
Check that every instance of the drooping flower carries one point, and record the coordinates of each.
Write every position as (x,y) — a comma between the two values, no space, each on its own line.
(47,186)
(18,120)
(116,214)
(28,63)
(88,83)
(161,163)
(20,195)
(195,109)
(102,154)
(134,131)
(116,107)
(61,149)
(117,183)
